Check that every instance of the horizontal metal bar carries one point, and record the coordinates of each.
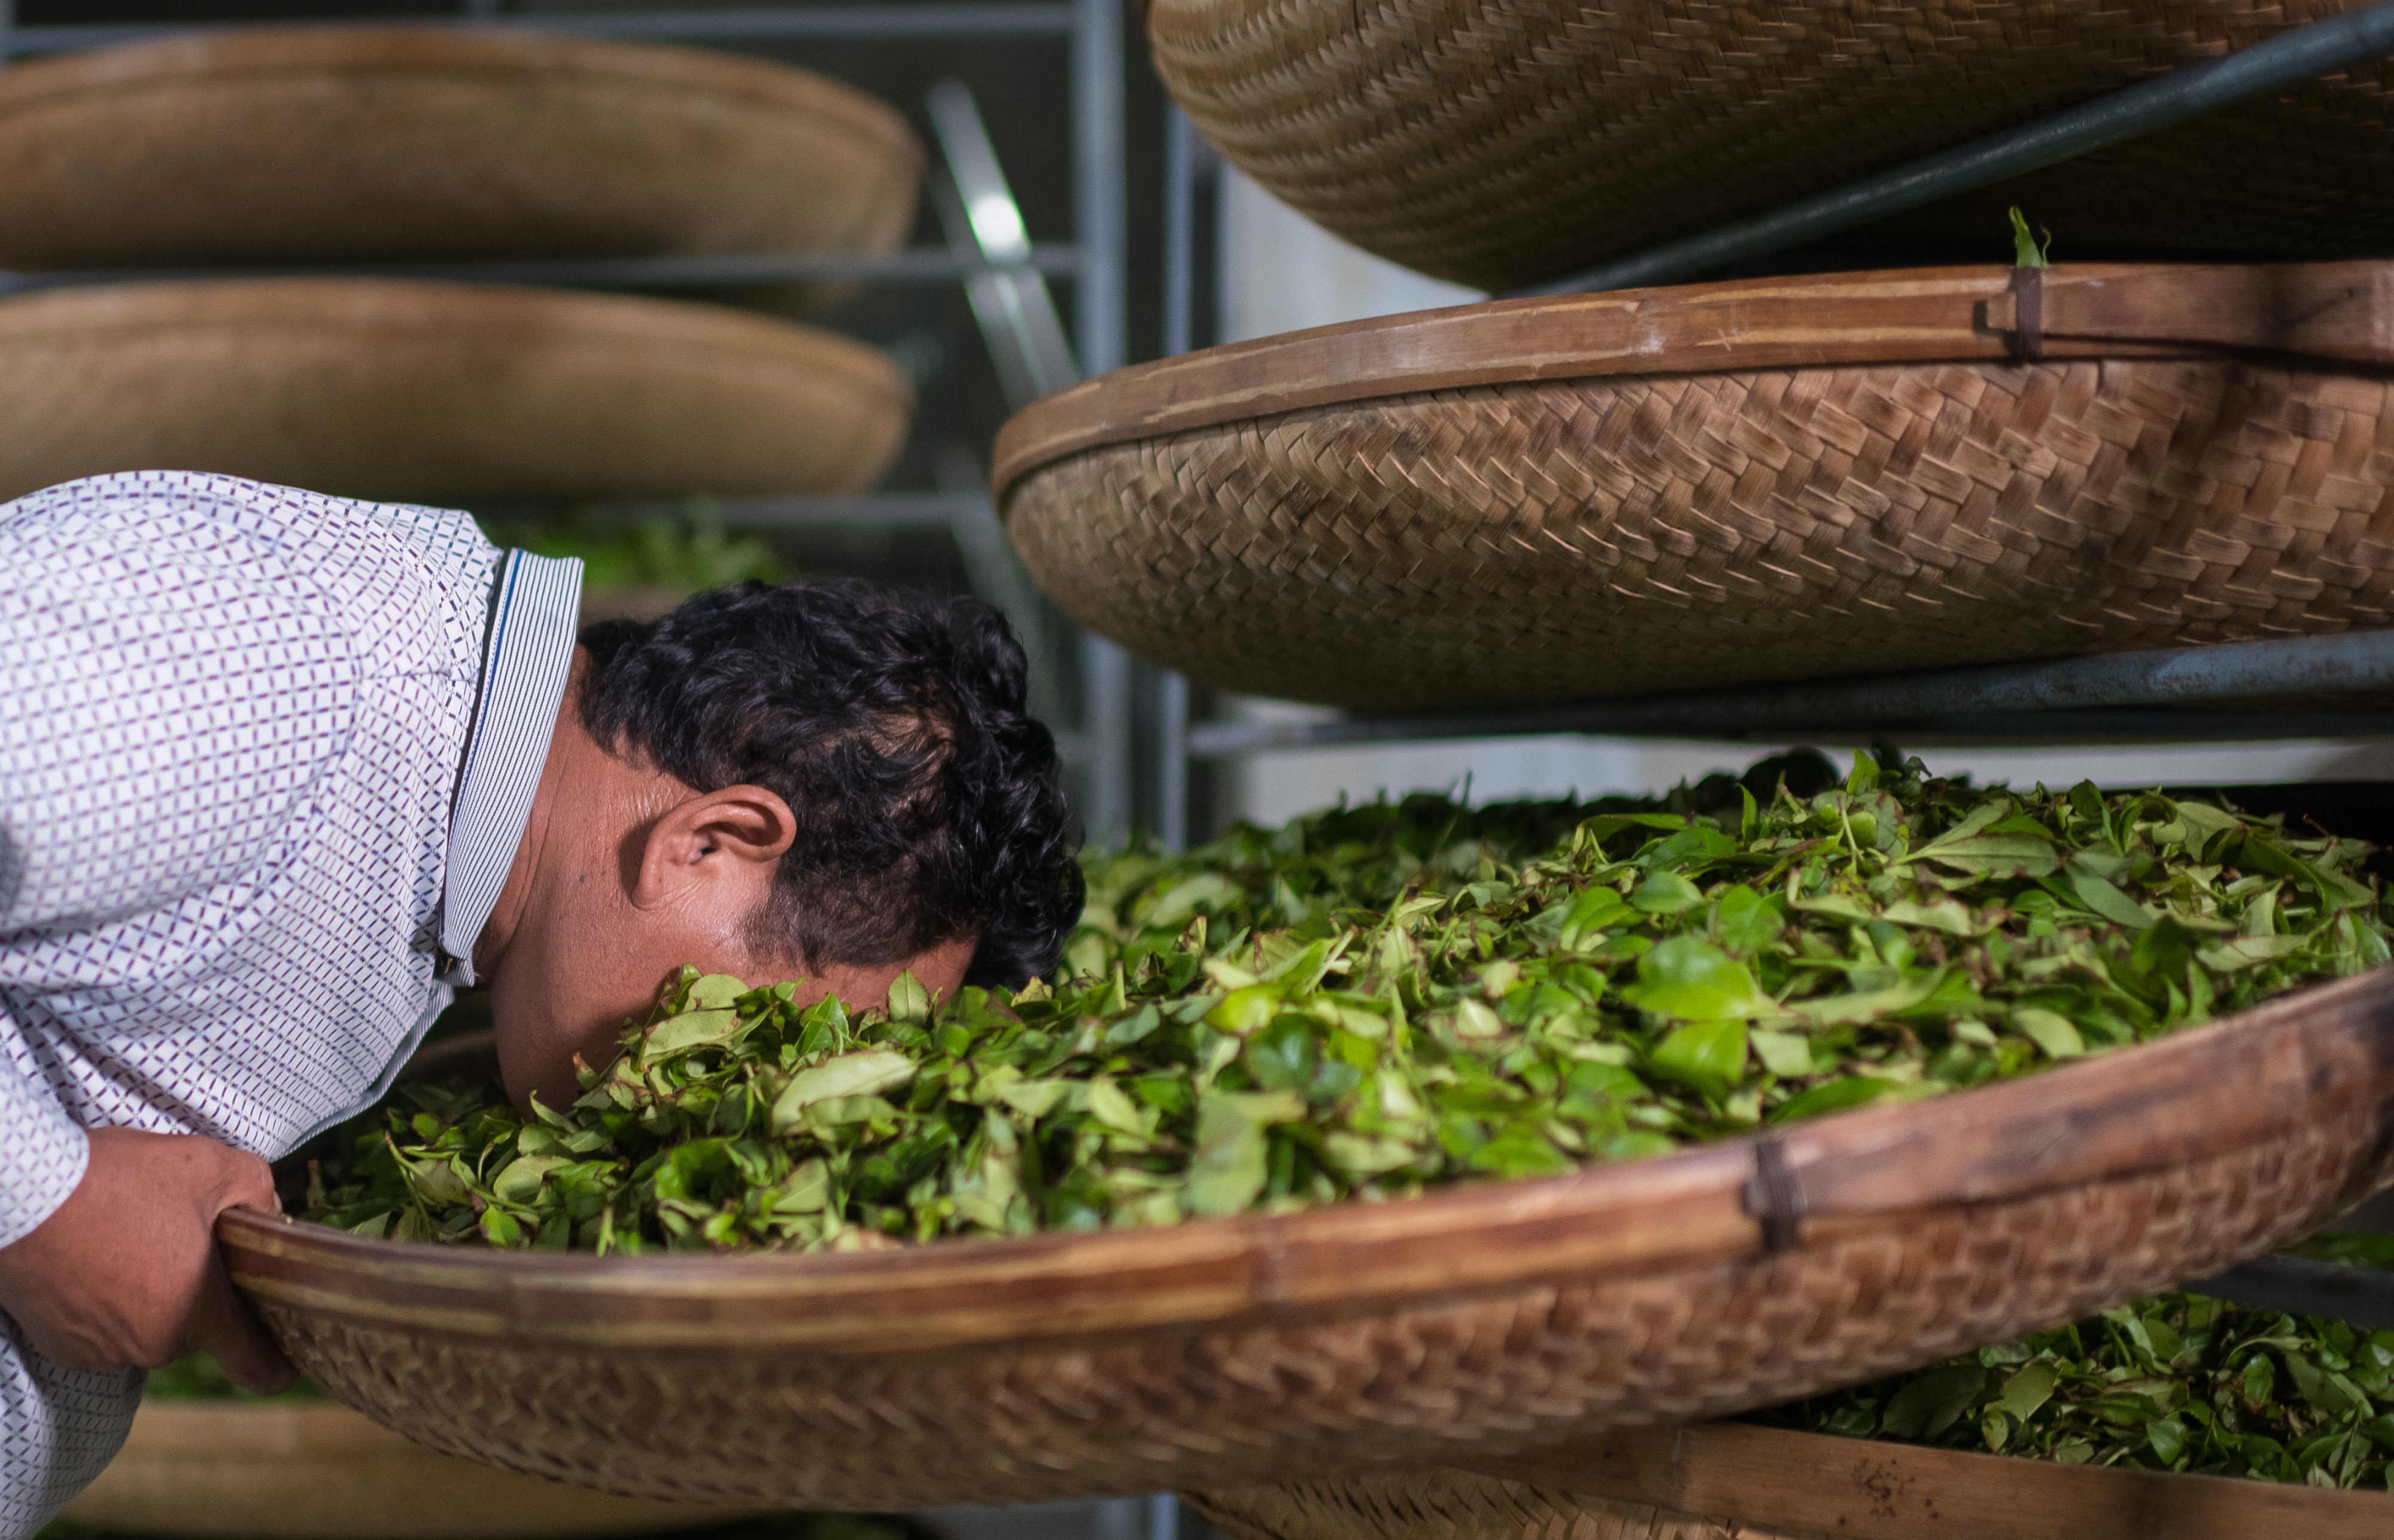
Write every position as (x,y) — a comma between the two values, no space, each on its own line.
(923,264)
(2046,701)
(1232,740)
(826,23)
(2362,1297)
(2290,59)
(884,510)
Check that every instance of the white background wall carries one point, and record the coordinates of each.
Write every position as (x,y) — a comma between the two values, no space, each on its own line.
(1283,273)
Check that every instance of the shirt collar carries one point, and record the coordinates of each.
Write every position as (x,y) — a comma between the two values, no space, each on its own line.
(536,617)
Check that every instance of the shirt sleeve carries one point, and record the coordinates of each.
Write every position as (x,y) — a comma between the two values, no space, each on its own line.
(42,1151)
(169,700)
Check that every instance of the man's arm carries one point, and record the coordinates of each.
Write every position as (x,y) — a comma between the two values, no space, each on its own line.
(140,643)
(124,1273)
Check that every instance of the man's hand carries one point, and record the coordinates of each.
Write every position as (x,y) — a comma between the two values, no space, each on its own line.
(126,1272)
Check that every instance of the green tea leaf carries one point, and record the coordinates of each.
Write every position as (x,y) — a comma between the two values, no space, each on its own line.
(1666,894)
(867,1072)
(2055,1033)
(1933,1402)
(1708,1055)
(691,1029)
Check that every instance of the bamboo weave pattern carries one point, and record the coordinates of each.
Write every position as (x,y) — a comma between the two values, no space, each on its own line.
(1133,1410)
(1452,1504)
(1500,142)
(1551,541)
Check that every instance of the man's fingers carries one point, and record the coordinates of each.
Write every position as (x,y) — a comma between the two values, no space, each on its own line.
(246,1182)
(226,1326)
(251,1359)
(229,1329)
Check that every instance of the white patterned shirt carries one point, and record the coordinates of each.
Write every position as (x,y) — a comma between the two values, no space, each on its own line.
(236,722)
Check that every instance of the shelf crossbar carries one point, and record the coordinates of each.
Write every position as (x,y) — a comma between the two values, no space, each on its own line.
(825,24)
(2292,58)
(2116,697)
(925,264)
(2360,1296)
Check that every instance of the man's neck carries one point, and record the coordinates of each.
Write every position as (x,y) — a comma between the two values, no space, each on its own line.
(523,870)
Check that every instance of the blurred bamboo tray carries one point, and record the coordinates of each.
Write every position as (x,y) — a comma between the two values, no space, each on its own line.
(1502,143)
(1544,500)
(1765,1484)
(437,393)
(330,144)
(1473,1321)
(297,1470)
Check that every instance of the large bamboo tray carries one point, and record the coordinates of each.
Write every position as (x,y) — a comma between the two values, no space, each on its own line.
(437,393)
(275,1470)
(1504,142)
(1720,1480)
(1543,500)
(381,143)
(1472,1322)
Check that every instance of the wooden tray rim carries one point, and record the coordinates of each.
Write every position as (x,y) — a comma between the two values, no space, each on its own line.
(1867,1489)
(2229,1085)
(1920,315)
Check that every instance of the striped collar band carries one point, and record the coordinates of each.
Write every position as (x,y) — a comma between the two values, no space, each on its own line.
(534,620)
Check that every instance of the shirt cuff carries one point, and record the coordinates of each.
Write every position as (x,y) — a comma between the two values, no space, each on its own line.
(46,1152)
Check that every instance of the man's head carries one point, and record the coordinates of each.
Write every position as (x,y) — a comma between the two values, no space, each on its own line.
(816,779)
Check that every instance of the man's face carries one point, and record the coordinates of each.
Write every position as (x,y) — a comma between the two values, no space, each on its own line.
(571,990)
(625,875)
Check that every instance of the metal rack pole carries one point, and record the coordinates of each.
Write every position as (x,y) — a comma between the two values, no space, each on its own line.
(2117,696)
(1098,300)
(826,23)
(921,265)
(2290,59)
(1179,321)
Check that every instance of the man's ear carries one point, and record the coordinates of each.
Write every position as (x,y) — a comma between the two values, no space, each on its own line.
(734,835)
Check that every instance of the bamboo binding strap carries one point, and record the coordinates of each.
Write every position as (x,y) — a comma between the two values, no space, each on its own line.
(2338,310)
(1543,500)
(1501,143)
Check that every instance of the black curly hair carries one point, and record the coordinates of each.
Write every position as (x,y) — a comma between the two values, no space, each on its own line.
(928,804)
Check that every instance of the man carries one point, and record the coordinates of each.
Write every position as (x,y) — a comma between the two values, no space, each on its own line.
(281,772)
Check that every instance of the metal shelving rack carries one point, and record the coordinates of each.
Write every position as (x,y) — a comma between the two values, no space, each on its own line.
(2206,694)
(1093,260)
(2321,687)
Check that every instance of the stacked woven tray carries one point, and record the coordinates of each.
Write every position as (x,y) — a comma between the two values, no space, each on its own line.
(1501,143)
(303,1471)
(355,146)
(1544,500)
(1762,1483)
(1540,502)
(1480,1321)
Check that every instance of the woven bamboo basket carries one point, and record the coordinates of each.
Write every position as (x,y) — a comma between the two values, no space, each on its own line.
(349,144)
(273,1470)
(437,393)
(1545,500)
(1724,1482)
(1474,1322)
(1501,142)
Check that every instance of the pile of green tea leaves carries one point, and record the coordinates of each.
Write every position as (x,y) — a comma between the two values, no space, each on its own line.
(1376,999)
(2178,1383)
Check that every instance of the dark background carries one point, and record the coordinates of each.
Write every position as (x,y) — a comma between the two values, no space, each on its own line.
(1023,90)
